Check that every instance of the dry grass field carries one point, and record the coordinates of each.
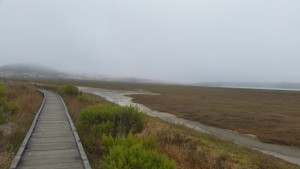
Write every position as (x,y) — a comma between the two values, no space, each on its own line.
(16,124)
(273,116)
(191,149)
(187,147)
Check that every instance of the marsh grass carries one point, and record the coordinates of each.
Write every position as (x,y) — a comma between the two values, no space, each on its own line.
(17,122)
(187,147)
(234,109)
(273,113)
(107,134)
(192,149)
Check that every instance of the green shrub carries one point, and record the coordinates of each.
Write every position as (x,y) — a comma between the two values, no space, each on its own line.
(16,138)
(128,119)
(111,120)
(2,104)
(1,107)
(1,133)
(107,132)
(129,141)
(11,107)
(70,90)
(2,101)
(5,106)
(96,119)
(2,91)
(133,153)
(82,98)
(2,118)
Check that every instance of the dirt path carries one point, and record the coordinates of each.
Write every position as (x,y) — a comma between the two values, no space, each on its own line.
(288,153)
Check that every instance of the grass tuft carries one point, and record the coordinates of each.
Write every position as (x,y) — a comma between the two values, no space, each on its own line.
(132,152)
(192,149)
(20,103)
(69,90)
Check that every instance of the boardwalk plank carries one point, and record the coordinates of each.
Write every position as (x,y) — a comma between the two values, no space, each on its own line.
(52,144)
(51,161)
(52,166)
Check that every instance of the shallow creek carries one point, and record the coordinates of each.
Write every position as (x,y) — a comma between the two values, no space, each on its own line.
(288,153)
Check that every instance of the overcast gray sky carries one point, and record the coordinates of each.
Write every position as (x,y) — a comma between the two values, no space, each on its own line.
(173,40)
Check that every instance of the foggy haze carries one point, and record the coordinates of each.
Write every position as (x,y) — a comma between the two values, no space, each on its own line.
(185,41)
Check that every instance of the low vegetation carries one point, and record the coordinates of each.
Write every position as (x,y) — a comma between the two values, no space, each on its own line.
(7,108)
(192,149)
(187,147)
(111,120)
(108,134)
(69,90)
(18,105)
(132,152)
(234,109)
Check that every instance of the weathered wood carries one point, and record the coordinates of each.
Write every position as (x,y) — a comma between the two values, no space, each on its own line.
(52,146)
(54,143)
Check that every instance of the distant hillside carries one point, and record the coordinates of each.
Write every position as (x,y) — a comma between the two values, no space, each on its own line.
(29,71)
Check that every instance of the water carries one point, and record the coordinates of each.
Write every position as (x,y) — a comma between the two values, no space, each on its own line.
(288,153)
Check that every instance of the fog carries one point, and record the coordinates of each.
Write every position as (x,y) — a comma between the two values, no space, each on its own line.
(186,41)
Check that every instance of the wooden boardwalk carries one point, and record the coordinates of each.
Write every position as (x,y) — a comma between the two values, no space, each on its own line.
(53,142)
